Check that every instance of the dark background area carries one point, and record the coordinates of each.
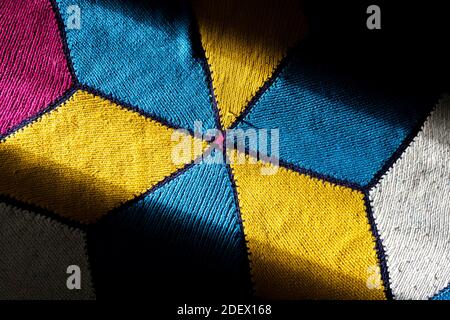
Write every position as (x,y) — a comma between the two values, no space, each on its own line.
(409,52)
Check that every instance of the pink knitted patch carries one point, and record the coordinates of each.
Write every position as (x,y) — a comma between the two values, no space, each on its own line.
(33,67)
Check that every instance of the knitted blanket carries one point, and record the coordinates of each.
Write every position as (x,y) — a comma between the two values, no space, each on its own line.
(217,149)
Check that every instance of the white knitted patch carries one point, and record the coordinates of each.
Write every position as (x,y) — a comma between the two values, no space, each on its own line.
(411,206)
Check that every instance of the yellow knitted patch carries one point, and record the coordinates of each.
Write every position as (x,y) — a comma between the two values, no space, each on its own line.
(244,42)
(85,158)
(307,238)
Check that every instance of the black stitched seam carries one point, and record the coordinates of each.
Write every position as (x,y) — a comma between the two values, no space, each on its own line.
(11,200)
(312,173)
(251,289)
(59,101)
(391,161)
(446,288)
(69,91)
(402,148)
(90,89)
(131,107)
(63,37)
(396,156)
(72,222)
(197,46)
(268,83)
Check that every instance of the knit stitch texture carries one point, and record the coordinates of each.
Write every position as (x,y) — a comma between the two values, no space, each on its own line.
(308,238)
(33,68)
(411,207)
(266,29)
(85,158)
(330,124)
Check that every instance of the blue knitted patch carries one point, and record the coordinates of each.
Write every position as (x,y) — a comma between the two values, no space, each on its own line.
(332,125)
(140,53)
(443,295)
(188,228)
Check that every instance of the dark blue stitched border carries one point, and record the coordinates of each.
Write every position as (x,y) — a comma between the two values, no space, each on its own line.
(396,155)
(403,146)
(200,55)
(379,248)
(34,118)
(245,247)
(131,202)
(268,83)
(446,288)
(42,211)
(312,173)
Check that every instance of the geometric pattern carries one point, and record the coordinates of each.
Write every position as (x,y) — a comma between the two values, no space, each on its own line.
(35,253)
(145,244)
(39,76)
(342,130)
(152,68)
(356,205)
(85,158)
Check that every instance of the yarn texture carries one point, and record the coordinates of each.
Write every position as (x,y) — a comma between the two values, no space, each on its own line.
(85,158)
(412,215)
(36,251)
(308,238)
(37,75)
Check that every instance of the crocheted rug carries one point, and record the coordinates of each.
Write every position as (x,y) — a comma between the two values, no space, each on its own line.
(338,190)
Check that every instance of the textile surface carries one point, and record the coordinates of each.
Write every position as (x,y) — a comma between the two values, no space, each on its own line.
(108,161)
